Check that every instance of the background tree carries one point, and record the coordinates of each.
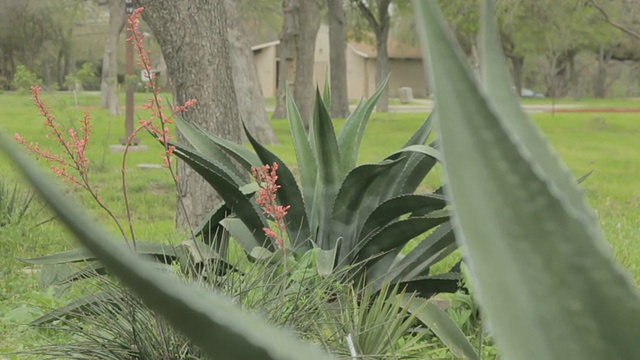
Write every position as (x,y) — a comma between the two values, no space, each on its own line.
(337,59)
(193,39)
(246,82)
(109,81)
(376,14)
(300,25)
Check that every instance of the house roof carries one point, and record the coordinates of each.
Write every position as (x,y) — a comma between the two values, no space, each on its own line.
(396,50)
(265,45)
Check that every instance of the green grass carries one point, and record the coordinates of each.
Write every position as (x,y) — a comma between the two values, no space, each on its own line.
(604,143)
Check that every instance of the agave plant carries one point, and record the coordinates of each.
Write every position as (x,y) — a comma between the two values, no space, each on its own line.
(354,214)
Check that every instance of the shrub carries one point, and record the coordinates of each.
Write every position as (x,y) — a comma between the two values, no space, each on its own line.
(364,214)
(23,79)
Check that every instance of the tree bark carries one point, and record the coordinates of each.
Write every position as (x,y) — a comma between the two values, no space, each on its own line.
(246,81)
(380,26)
(304,87)
(286,51)
(517,68)
(194,42)
(109,83)
(600,81)
(337,60)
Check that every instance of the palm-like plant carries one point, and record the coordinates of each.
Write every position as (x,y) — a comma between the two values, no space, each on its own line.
(353,214)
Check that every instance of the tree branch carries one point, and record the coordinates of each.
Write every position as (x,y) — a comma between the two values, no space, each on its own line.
(368,15)
(608,20)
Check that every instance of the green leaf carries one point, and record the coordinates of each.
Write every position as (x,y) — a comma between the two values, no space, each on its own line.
(80,307)
(219,328)
(94,268)
(233,197)
(157,250)
(393,208)
(240,153)
(531,241)
(424,255)
(360,186)
(205,145)
(328,172)
(326,259)
(395,235)
(297,218)
(242,234)
(497,82)
(420,149)
(326,97)
(351,134)
(210,230)
(441,324)
(429,285)
(304,153)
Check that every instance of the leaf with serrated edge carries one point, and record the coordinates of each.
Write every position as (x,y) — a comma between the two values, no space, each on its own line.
(441,324)
(297,218)
(329,174)
(528,236)
(304,154)
(219,328)
(352,131)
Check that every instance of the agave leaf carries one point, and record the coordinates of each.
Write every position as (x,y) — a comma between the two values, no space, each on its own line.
(238,152)
(242,234)
(429,285)
(359,186)
(584,177)
(89,305)
(428,252)
(414,166)
(531,240)
(393,208)
(328,175)
(205,145)
(158,250)
(210,230)
(219,328)
(395,235)
(326,95)
(304,154)
(441,325)
(351,134)
(191,156)
(420,149)
(505,102)
(326,259)
(233,197)
(297,219)
(94,268)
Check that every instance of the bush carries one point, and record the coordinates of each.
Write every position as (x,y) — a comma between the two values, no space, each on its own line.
(24,79)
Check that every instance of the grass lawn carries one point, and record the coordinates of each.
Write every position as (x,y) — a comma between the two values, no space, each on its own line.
(604,143)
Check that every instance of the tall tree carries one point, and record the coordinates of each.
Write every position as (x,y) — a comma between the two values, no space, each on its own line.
(245,79)
(337,60)
(376,13)
(304,85)
(194,42)
(286,50)
(109,83)
(301,22)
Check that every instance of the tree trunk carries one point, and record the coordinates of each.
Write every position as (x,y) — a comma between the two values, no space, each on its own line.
(517,67)
(380,26)
(337,60)
(304,87)
(246,81)
(600,81)
(286,51)
(109,84)
(194,42)
(382,68)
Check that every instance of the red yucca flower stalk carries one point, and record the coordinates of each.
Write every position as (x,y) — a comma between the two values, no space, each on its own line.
(266,178)
(73,166)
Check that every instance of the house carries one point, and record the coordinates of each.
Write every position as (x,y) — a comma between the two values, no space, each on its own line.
(406,67)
